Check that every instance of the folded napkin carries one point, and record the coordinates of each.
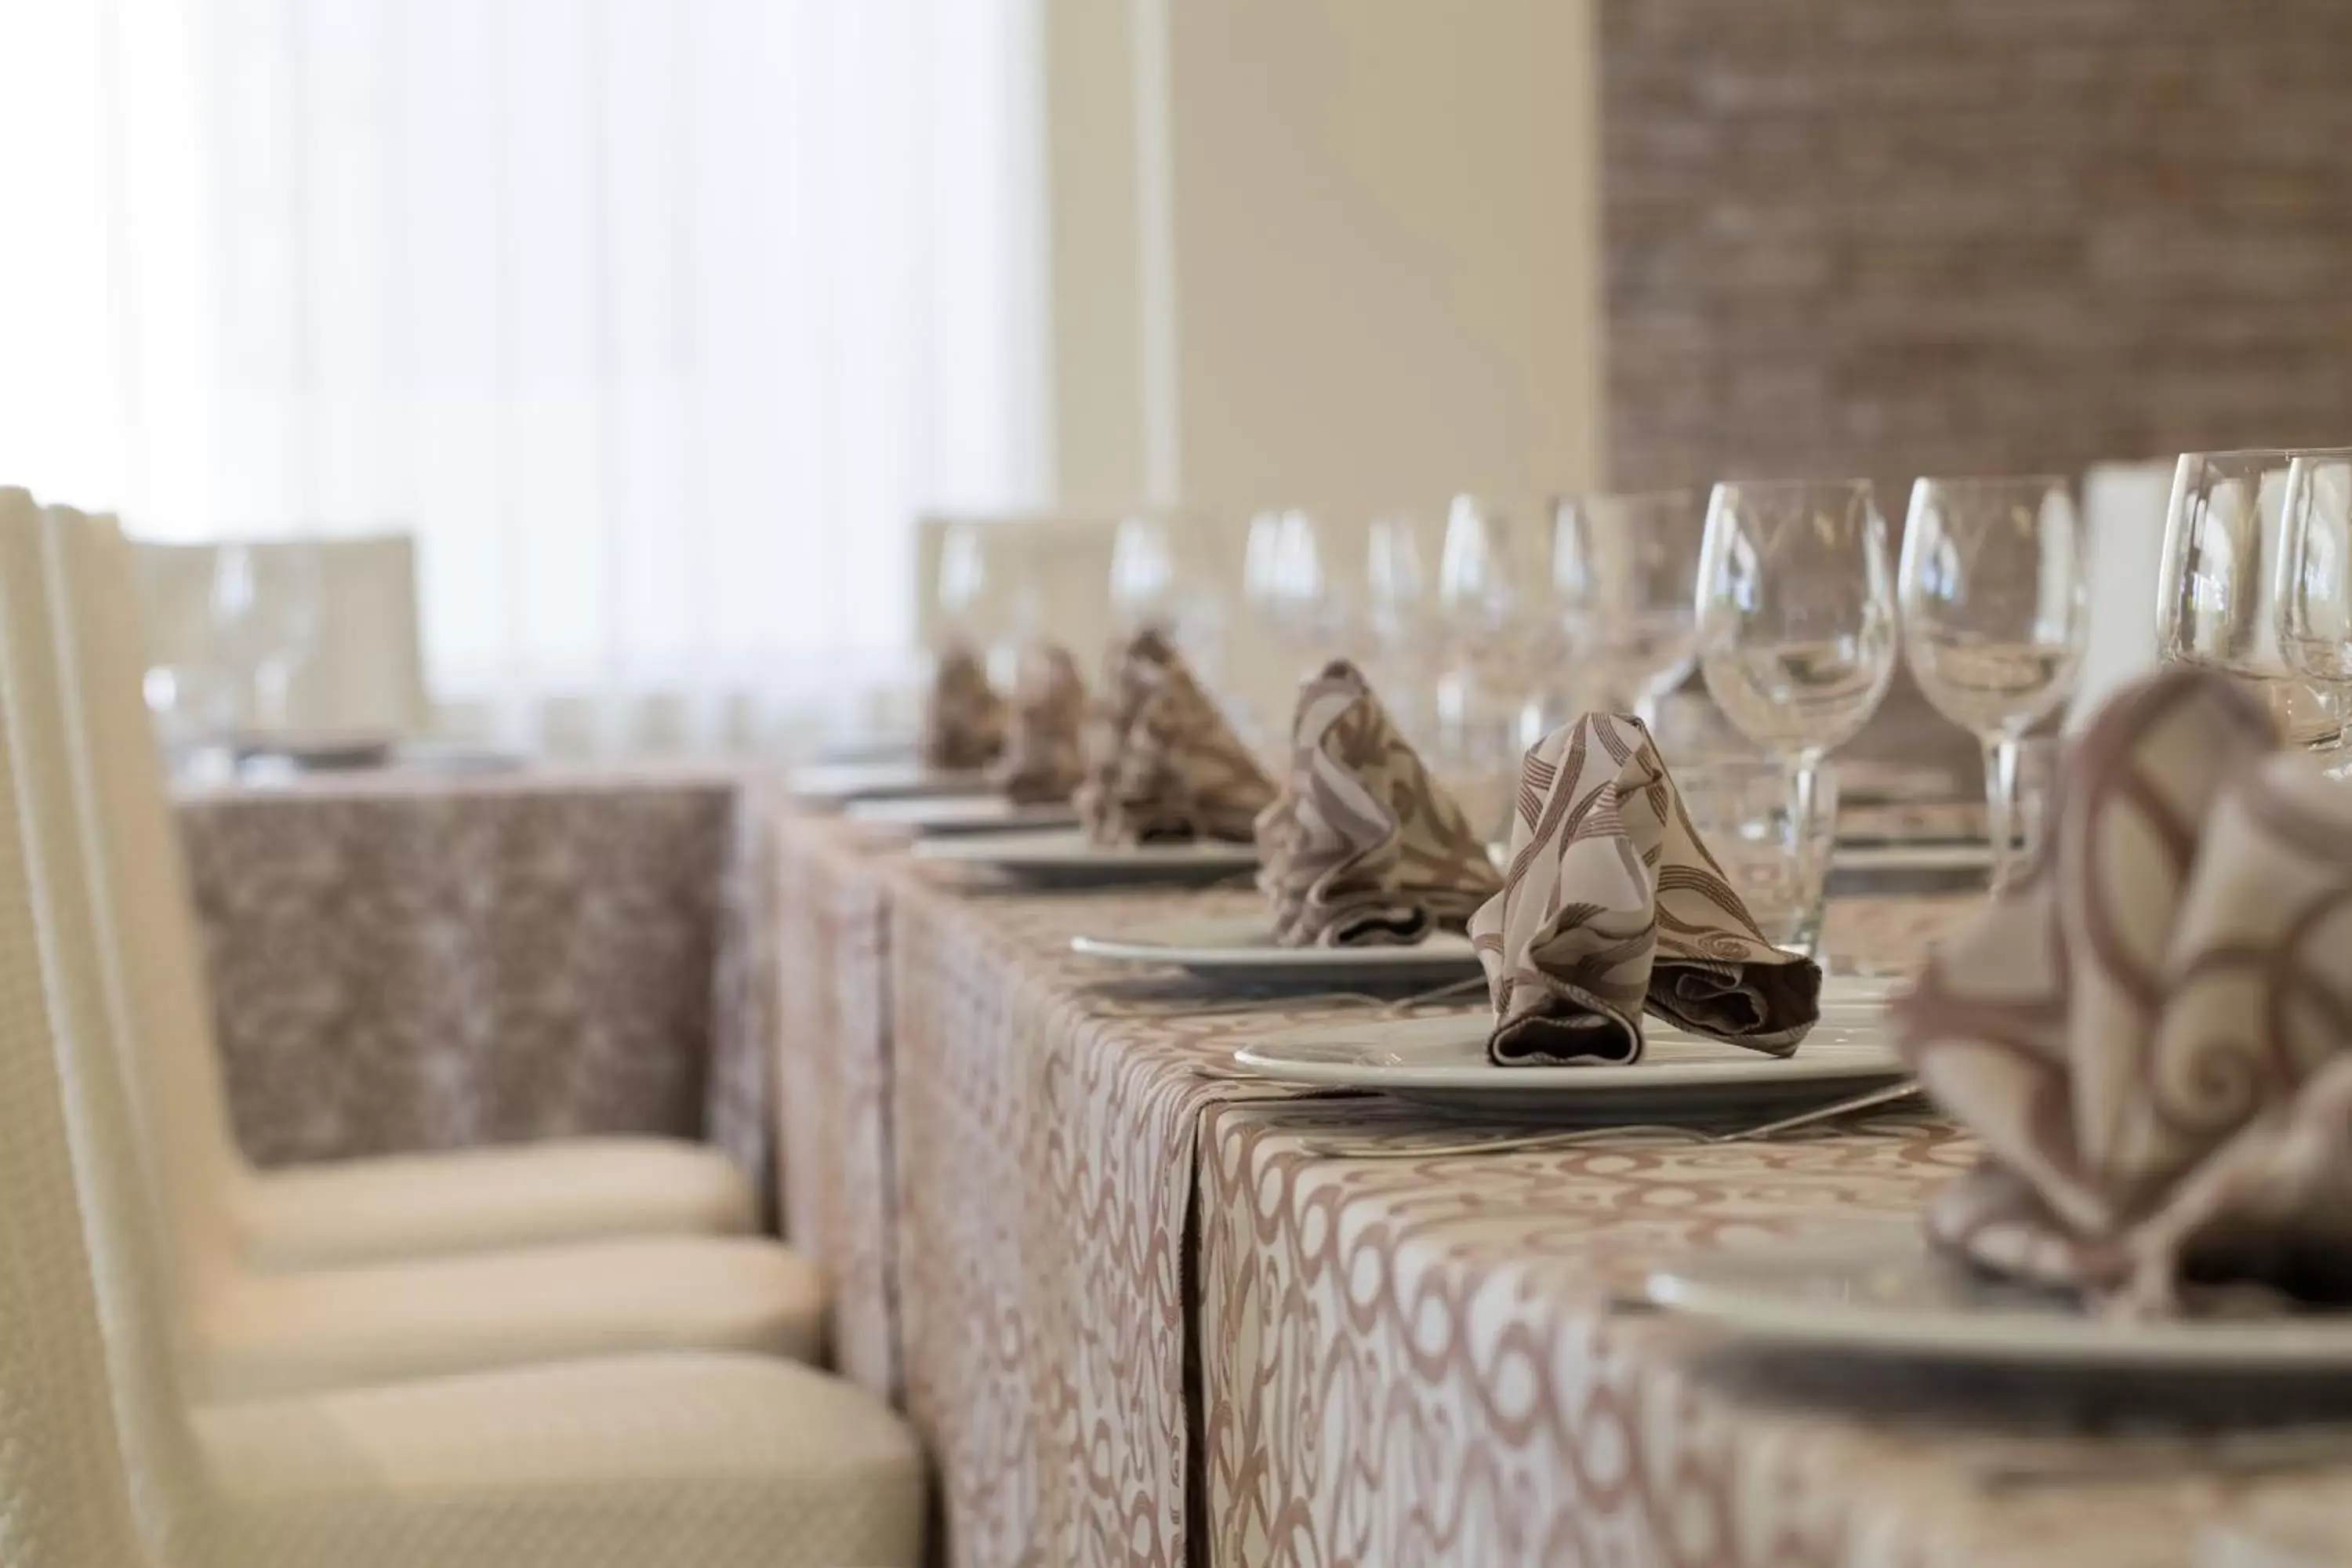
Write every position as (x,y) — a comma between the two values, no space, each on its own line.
(2152,1032)
(1362,847)
(963,719)
(1043,759)
(1163,762)
(1611,904)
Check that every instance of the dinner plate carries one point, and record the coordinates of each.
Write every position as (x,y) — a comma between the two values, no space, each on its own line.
(867,751)
(1068,857)
(1912,857)
(902,779)
(316,751)
(950,814)
(1242,947)
(1878,1291)
(1443,1062)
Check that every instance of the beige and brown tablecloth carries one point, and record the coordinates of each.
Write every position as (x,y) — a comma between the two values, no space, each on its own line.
(406,961)
(1141,1324)
(835,1168)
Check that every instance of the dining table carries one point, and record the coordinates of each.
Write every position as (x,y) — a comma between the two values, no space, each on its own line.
(416,958)
(1145,1309)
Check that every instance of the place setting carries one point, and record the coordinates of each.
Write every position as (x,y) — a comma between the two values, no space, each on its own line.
(2145,1036)
(1166,793)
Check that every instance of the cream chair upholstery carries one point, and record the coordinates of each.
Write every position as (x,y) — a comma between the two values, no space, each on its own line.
(691,1459)
(359,1211)
(2124,507)
(63,1504)
(251,1332)
(367,670)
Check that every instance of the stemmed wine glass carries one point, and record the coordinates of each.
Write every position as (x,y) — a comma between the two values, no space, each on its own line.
(1796,626)
(266,612)
(1484,657)
(1400,628)
(2230,579)
(1994,600)
(1161,577)
(2314,608)
(1622,571)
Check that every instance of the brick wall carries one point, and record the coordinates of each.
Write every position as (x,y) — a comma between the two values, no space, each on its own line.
(1891,236)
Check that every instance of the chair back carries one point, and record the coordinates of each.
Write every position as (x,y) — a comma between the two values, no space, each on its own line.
(138,1293)
(158,987)
(367,670)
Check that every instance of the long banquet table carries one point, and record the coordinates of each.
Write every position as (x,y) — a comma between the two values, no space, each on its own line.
(1139,1322)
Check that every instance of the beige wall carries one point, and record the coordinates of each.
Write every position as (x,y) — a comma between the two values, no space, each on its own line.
(1350,259)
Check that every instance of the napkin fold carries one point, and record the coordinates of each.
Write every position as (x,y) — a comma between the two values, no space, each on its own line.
(1611,905)
(1362,847)
(1044,759)
(1163,765)
(963,718)
(2152,1032)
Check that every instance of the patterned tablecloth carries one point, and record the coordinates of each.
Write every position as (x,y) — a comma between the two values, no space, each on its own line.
(415,960)
(836,1169)
(1141,1324)
(1420,1361)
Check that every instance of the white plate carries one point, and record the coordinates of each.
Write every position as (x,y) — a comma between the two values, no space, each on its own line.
(1068,857)
(1240,948)
(950,814)
(1443,1062)
(882,780)
(1912,858)
(867,751)
(1879,1291)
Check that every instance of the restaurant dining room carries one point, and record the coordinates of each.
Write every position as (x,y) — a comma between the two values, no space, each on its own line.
(1175,784)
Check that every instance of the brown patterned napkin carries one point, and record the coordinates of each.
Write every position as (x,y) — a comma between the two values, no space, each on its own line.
(1363,847)
(2152,1033)
(1043,759)
(963,719)
(1164,765)
(1611,904)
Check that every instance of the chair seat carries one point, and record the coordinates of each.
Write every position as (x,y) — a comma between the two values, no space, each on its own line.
(647,1462)
(263,1334)
(478,1200)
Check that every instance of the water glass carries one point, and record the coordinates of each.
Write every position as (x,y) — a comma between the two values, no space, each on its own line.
(1774,849)
(2313,606)
(1796,619)
(1623,572)
(1995,617)
(2228,583)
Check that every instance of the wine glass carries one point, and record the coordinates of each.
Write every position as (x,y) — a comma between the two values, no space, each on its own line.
(2225,572)
(2314,607)
(1286,582)
(1995,618)
(1483,712)
(266,614)
(987,595)
(1164,575)
(1400,619)
(1796,625)
(1623,568)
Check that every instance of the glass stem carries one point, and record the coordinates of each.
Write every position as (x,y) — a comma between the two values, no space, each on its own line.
(2000,805)
(1804,770)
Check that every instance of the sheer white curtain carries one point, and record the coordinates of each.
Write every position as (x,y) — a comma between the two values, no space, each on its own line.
(657,320)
